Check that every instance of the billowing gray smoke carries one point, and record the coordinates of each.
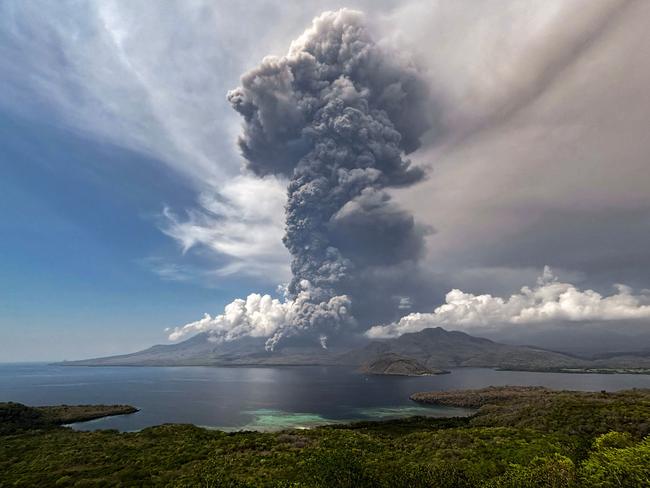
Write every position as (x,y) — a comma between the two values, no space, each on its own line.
(337,115)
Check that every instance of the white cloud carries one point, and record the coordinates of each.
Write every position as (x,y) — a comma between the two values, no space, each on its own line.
(405,303)
(267,317)
(257,316)
(548,302)
(242,224)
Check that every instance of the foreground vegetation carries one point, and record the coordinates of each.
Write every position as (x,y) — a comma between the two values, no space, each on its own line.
(519,438)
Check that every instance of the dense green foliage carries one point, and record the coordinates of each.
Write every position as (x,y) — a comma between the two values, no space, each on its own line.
(540,440)
(18,417)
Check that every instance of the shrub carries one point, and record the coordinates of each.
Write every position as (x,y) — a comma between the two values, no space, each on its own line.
(617,462)
(543,472)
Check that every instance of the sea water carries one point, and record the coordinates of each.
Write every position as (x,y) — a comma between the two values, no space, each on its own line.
(263,398)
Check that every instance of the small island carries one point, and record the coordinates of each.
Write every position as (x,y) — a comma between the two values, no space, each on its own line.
(394,364)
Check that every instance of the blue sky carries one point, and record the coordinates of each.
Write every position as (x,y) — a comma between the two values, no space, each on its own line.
(80,247)
(125,210)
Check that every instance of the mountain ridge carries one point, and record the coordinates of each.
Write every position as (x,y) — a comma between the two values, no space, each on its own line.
(433,348)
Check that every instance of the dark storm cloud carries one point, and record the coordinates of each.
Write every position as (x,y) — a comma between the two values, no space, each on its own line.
(371,230)
(560,173)
(607,242)
(337,115)
(551,63)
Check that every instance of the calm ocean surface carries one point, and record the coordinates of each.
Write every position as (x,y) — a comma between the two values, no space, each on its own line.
(262,398)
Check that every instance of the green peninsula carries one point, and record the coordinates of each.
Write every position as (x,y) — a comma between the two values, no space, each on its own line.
(16,417)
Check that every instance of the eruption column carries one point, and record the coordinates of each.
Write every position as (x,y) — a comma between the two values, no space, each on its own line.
(336,115)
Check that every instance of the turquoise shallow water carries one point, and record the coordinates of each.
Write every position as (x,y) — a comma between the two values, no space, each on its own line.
(262,398)
(267,420)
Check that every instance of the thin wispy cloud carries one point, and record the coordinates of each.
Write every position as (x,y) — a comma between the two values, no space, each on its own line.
(242,225)
(124,73)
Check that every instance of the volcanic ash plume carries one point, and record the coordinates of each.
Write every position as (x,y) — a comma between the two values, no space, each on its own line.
(336,115)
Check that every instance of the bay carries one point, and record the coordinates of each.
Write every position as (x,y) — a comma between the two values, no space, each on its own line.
(263,398)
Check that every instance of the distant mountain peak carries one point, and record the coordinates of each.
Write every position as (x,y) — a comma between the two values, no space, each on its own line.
(431,348)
